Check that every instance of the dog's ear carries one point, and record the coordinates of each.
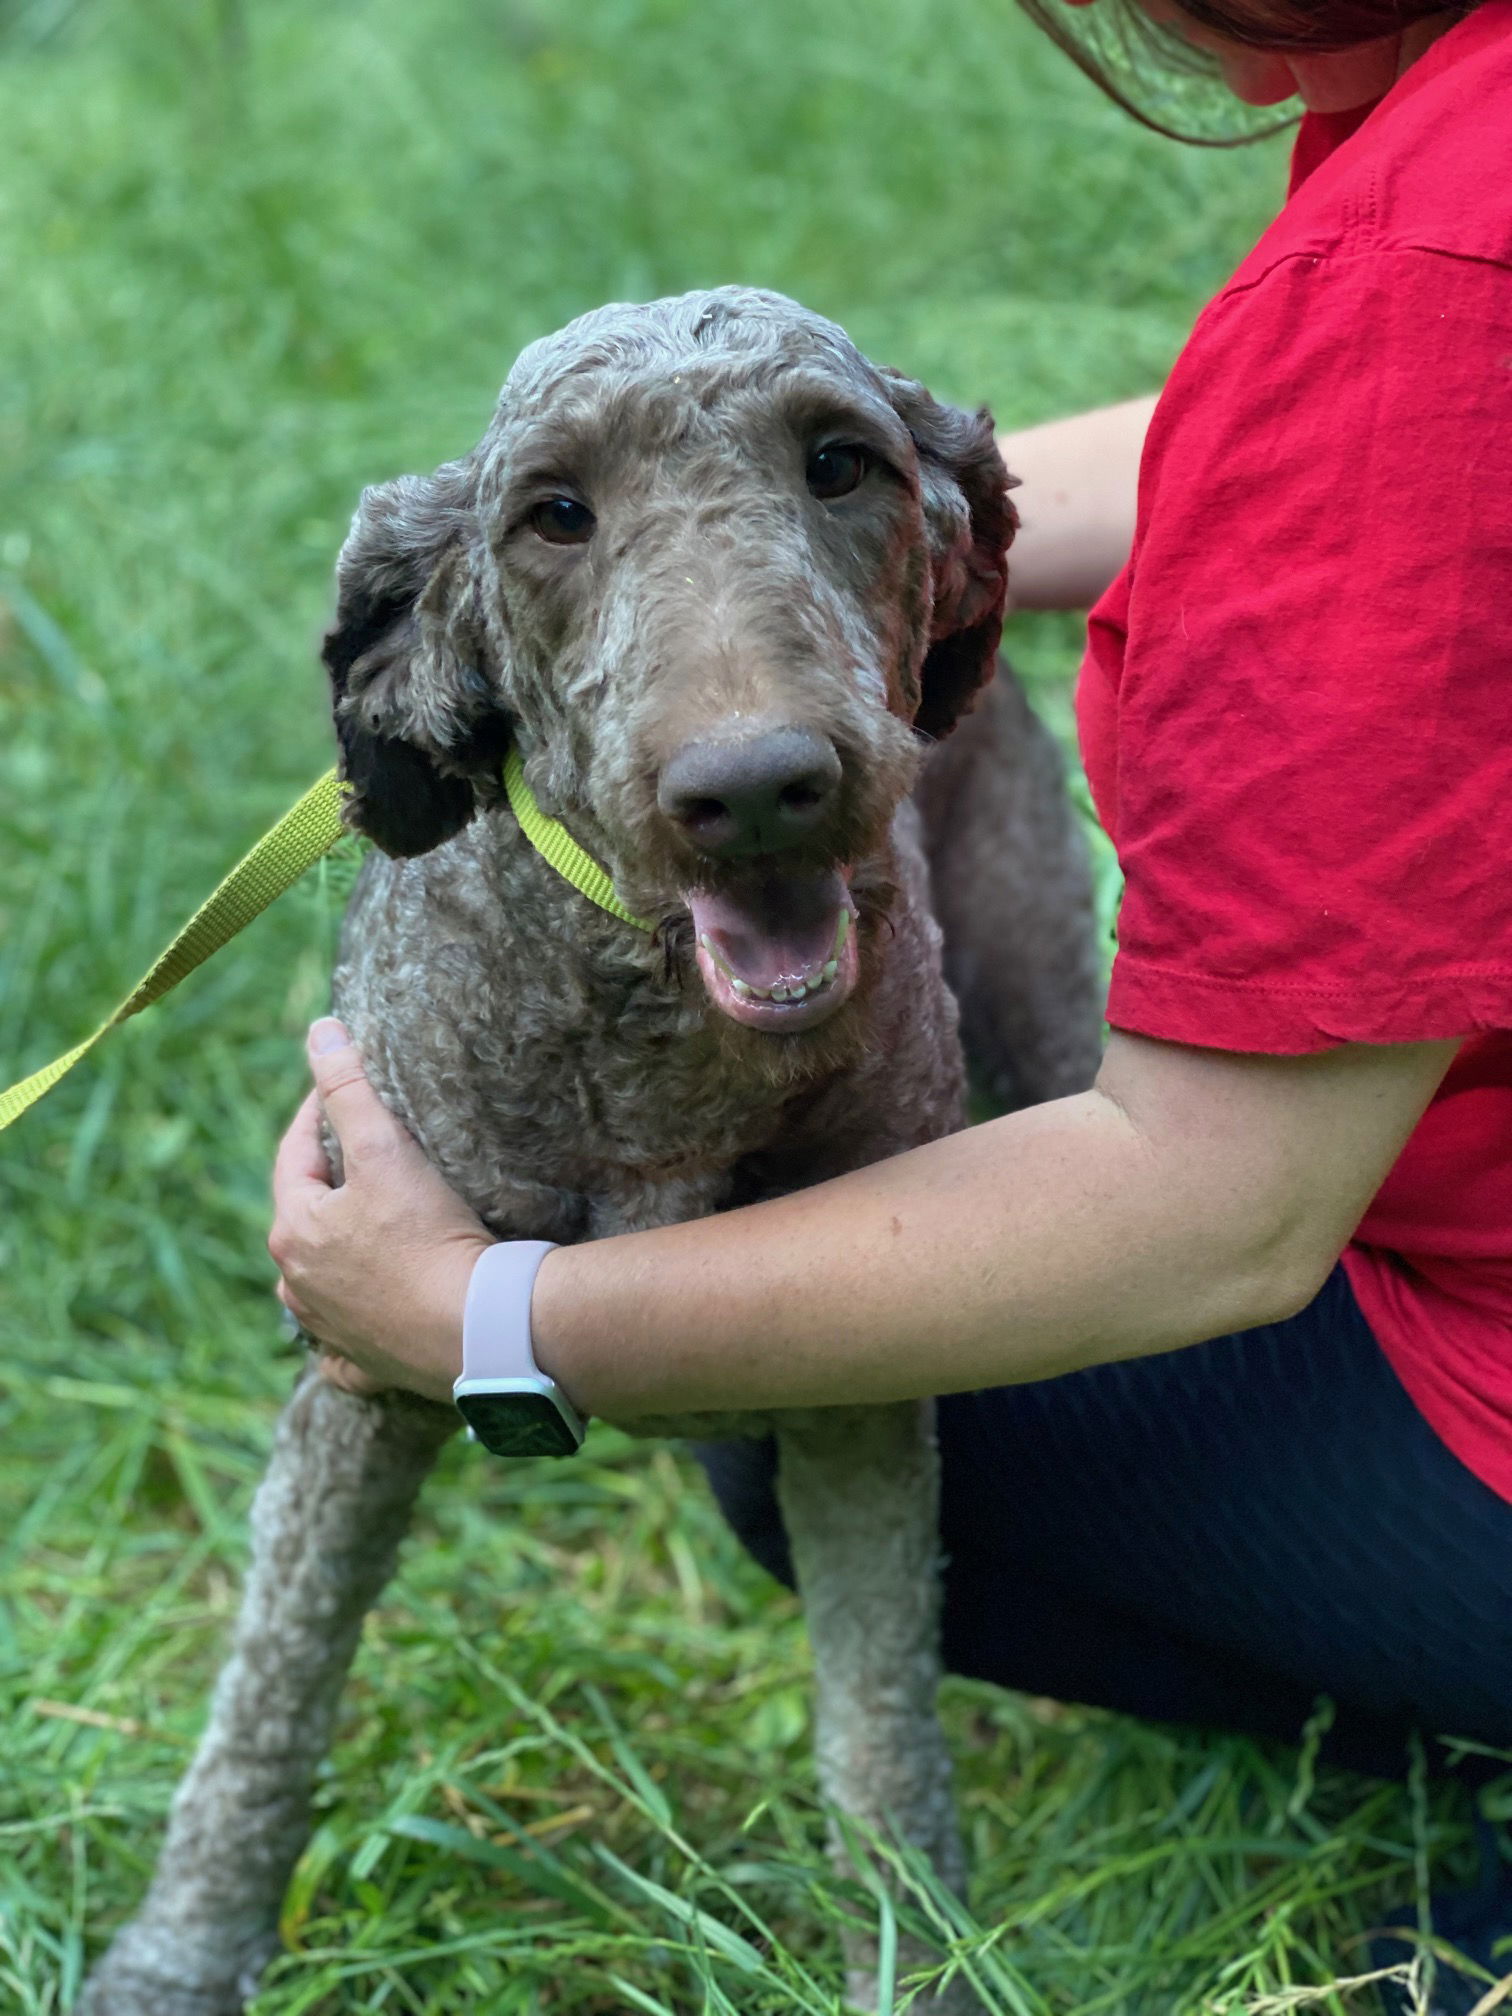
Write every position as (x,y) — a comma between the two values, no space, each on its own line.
(410,696)
(970,524)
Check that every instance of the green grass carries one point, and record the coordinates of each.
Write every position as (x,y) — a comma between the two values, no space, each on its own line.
(255,257)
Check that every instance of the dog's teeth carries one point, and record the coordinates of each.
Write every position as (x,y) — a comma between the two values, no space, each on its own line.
(779,993)
(831,968)
(797,989)
(742,987)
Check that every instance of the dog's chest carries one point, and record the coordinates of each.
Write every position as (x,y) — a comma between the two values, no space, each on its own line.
(569,1085)
(563,1083)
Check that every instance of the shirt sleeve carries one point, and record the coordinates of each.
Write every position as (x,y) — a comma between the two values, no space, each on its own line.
(1314,687)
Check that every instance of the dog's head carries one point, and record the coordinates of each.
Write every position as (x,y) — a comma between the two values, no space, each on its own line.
(720,578)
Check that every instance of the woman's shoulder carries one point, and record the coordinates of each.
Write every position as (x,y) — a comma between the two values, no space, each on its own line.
(1429,171)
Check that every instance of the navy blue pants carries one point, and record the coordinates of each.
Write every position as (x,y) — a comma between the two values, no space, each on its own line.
(1216,1536)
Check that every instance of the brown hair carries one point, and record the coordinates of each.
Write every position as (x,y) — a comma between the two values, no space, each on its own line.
(1167,85)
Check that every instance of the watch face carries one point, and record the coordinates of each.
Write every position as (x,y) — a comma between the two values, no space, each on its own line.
(517,1424)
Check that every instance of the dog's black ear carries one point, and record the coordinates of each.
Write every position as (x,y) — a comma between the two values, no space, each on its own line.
(970,524)
(412,702)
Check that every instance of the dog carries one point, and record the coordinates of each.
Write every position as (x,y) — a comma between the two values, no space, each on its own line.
(723,584)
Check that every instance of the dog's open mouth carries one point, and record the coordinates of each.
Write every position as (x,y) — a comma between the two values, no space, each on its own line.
(777,952)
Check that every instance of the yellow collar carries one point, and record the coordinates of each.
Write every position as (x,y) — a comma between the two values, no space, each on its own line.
(556,846)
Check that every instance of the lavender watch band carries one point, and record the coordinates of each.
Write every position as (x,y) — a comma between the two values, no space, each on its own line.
(496,1320)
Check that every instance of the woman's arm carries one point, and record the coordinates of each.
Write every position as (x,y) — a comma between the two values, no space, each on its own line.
(1080,477)
(1189,1193)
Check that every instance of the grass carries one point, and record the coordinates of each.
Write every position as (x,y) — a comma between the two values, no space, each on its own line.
(257,255)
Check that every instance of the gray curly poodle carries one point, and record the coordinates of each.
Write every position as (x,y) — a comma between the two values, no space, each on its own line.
(724,584)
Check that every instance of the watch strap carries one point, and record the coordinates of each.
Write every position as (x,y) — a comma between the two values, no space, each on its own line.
(509,1404)
(496,1342)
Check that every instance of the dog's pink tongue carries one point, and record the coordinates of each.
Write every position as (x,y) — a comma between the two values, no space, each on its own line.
(777,929)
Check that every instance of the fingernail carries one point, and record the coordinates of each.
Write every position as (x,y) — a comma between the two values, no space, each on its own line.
(327,1034)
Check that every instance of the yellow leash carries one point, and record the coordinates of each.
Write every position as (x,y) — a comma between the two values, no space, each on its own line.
(305,832)
(308,830)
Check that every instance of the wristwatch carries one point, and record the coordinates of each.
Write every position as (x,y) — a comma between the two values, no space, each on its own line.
(507,1401)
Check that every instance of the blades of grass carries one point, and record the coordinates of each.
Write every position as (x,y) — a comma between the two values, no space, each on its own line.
(639,1999)
(887,1952)
(996,1980)
(321,1853)
(53,646)
(652,1798)
(1494,1997)
(682,1911)
(697,1865)
(1318,1725)
(211,1514)
(534,1849)
(532,1872)
(1417,1788)
(559,1733)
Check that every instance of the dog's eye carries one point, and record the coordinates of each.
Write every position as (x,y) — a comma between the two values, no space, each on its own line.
(562,521)
(837,470)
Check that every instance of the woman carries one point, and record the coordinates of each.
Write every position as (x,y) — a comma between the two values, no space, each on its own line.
(1227,1340)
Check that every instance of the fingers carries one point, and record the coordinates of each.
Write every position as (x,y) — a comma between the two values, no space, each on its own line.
(296,1319)
(301,1175)
(341,1372)
(359,1119)
(372,1267)
(301,1162)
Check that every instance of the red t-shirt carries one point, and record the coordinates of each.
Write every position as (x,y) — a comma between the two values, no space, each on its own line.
(1296,706)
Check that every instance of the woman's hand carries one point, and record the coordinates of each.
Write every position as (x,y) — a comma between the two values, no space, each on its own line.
(377,1269)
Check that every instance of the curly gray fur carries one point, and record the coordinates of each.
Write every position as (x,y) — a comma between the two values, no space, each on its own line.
(569,1074)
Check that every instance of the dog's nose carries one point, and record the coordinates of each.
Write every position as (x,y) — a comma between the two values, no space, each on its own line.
(755,795)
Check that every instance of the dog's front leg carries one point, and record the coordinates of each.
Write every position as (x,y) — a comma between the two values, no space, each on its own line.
(326,1527)
(859,1490)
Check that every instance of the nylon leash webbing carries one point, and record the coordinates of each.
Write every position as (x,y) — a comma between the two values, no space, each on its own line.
(288,850)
